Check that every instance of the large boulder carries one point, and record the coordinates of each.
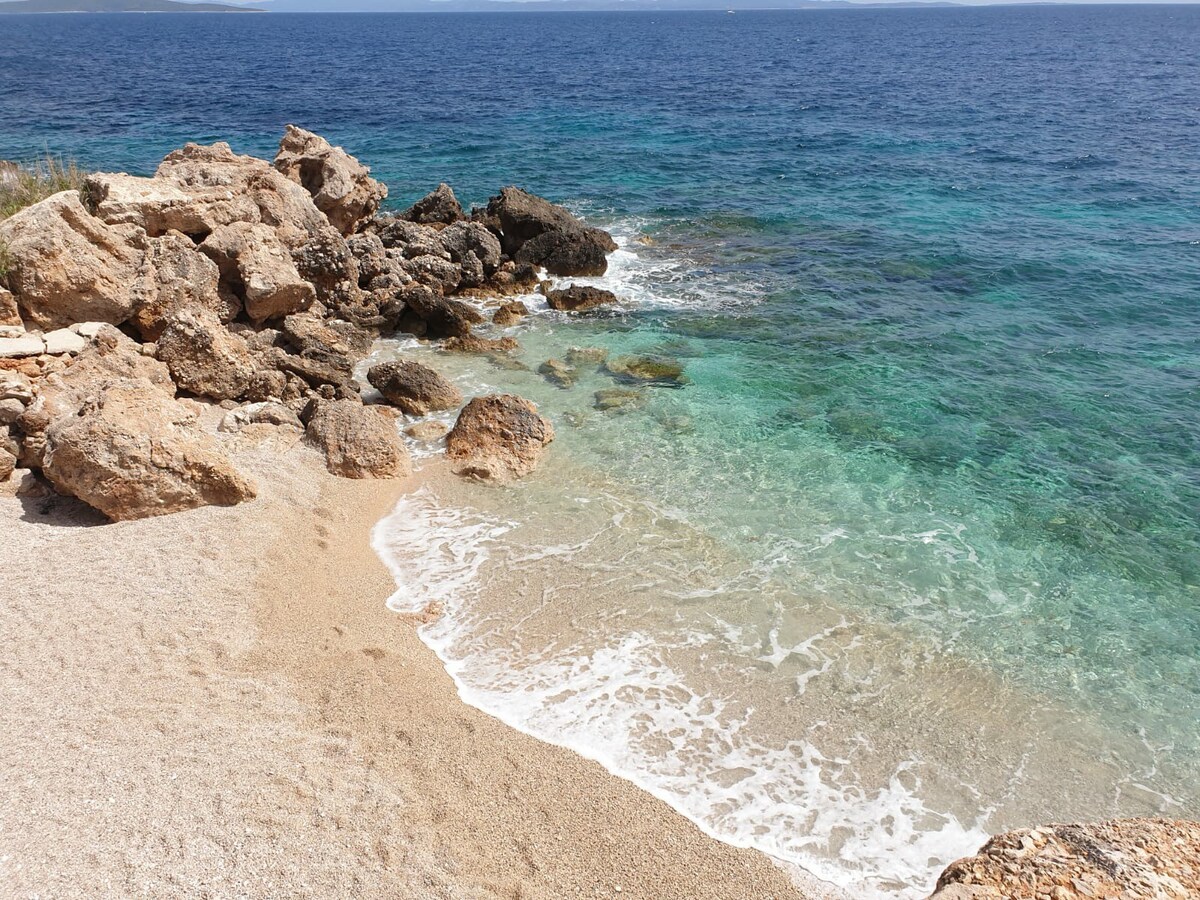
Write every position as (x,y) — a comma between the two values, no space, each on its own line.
(537,232)
(437,207)
(430,315)
(463,239)
(413,388)
(256,266)
(181,278)
(66,266)
(1120,858)
(358,441)
(156,205)
(133,452)
(225,188)
(204,357)
(327,261)
(498,438)
(579,298)
(340,185)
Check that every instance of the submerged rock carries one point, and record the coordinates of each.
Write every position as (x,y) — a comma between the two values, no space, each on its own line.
(341,187)
(558,373)
(498,438)
(1120,858)
(619,399)
(579,298)
(358,441)
(646,369)
(413,388)
(586,356)
(427,431)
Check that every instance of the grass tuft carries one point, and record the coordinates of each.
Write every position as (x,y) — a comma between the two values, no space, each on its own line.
(24,186)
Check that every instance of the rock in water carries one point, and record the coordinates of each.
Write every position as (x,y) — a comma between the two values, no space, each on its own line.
(645,369)
(133,452)
(415,389)
(558,373)
(1120,858)
(510,313)
(426,431)
(358,441)
(539,233)
(204,357)
(340,185)
(437,207)
(579,298)
(498,438)
(67,266)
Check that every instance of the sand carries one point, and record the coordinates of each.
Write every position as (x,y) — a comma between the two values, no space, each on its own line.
(219,704)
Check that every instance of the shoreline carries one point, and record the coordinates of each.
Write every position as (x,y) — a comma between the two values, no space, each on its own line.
(325,746)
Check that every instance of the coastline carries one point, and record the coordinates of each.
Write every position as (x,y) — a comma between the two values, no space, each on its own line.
(284,731)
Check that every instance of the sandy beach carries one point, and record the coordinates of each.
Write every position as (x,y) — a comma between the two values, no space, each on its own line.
(218,703)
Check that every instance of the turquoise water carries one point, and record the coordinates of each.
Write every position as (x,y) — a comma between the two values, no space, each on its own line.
(935,476)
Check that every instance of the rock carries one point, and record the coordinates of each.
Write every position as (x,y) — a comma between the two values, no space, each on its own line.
(473,344)
(586,356)
(327,261)
(133,452)
(63,341)
(1119,858)
(89,330)
(65,265)
(358,441)
(426,431)
(256,266)
(318,368)
(225,188)
(619,399)
(411,237)
(309,334)
(579,298)
(10,313)
(413,388)
(498,438)
(10,410)
(340,185)
(266,413)
(465,239)
(441,275)
(645,369)
(510,313)
(439,206)
(266,384)
(204,357)
(181,278)
(8,463)
(537,232)
(558,373)
(156,205)
(16,386)
(16,347)
(438,317)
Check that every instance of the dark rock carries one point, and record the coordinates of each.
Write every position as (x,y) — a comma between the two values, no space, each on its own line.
(537,232)
(510,313)
(571,253)
(470,238)
(413,388)
(579,298)
(439,206)
(439,317)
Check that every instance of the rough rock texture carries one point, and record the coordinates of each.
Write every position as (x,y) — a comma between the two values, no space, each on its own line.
(1130,859)
(463,239)
(10,313)
(413,388)
(358,441)
(471,343)
(225,188)
(340,185)
(67,266)
(537,232)
(181,278)
(498,438)
(133,452)
(439,206)
(510,313)
(154,204)
(645,369)
(558,373)
(257,267)
(579,298)
(204,357)
(427,431)
(434,317)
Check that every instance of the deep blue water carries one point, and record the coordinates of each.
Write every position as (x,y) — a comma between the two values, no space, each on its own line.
(932,271)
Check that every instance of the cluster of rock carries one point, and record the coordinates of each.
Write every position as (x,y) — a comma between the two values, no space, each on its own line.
(259,287)
(1138,859)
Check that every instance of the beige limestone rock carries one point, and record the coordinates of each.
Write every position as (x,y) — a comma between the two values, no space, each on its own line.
(10,313)
(17,347)
(257,266)
(63,340)
(66,265)
(498,438)
(181,278)
(154,204)
(413,388)
(341,186)
(358,441)
(204,357)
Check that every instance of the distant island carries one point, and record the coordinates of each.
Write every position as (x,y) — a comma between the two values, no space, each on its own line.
(117,6)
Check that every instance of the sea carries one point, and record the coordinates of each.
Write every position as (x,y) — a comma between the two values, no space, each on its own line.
(911,554)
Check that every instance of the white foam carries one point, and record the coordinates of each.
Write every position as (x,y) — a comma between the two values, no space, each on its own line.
(623,705)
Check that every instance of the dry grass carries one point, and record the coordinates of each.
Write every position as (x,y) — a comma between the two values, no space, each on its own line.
(31,183)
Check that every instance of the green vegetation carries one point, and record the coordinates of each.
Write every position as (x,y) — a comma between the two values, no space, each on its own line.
(29,184)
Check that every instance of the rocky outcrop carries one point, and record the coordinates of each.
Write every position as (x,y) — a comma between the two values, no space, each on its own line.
(133,452)
(358,441)
(413,388)
(429,315)
(257,267)
(535,232)
(204,357)
(67,266)
(155,205)
(181,278)
(437,207)
(498,438)
(510,313)
(340,185)
(579,298)
(1120,858)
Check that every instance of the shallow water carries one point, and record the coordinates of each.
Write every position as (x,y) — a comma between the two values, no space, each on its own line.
(914,554)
